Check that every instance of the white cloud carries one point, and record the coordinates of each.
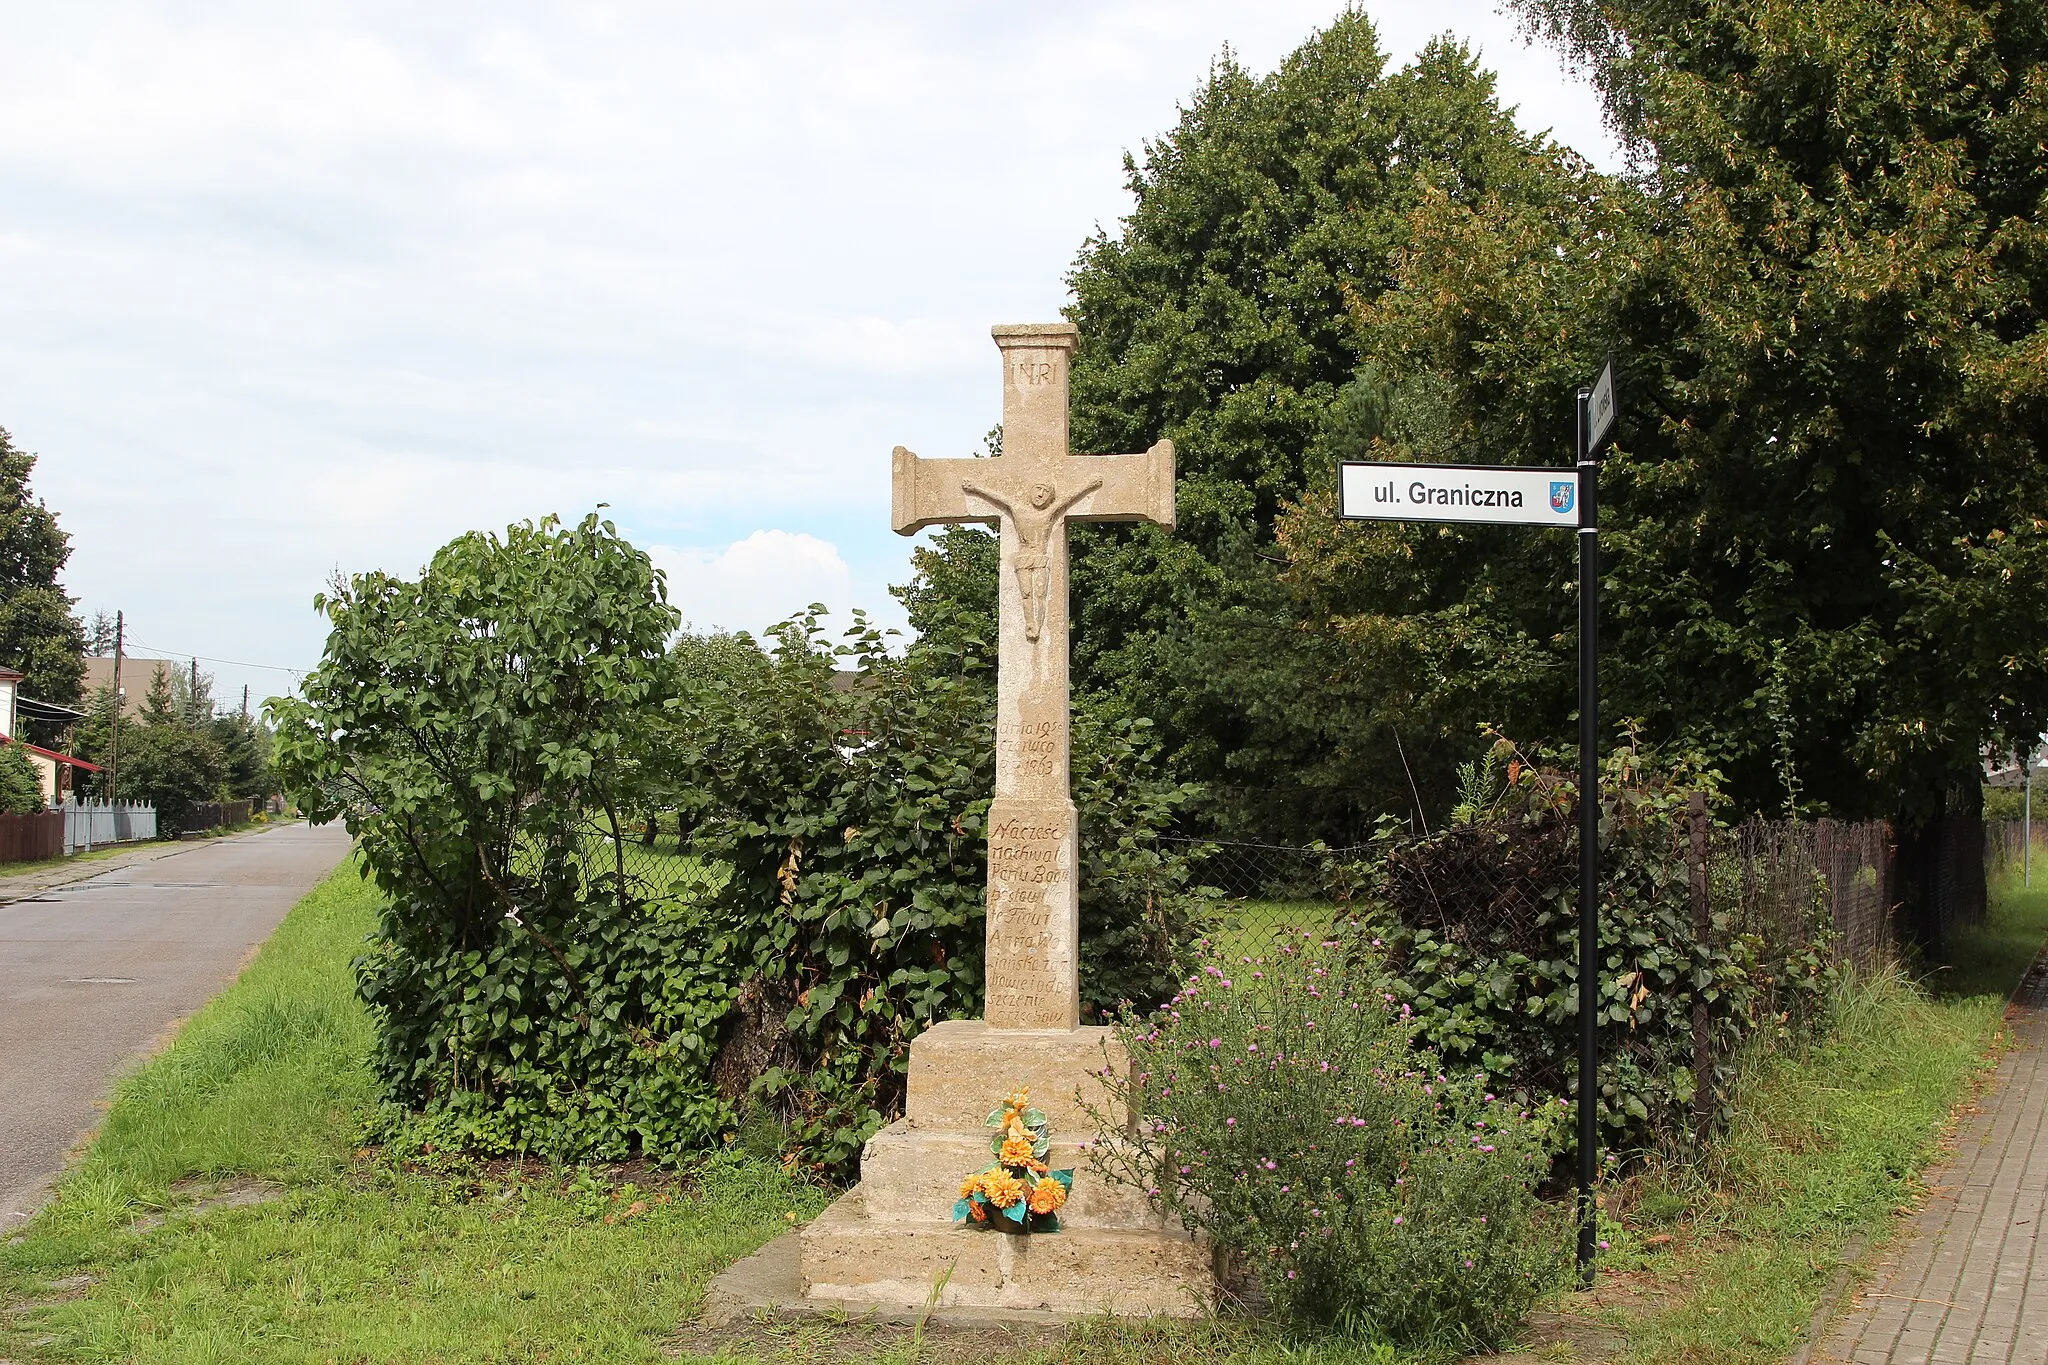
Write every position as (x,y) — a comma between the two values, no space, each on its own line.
(297,287)
(753,583)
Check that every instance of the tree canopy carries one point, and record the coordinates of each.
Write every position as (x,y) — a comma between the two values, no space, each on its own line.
(1220,314)
(38,634)
(1823,521)
(1828,560)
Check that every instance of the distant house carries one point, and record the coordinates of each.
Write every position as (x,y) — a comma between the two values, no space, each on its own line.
(53,769)
(136,676)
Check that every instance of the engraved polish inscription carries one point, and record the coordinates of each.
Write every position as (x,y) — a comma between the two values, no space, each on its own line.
(1027,887)
(1033,747)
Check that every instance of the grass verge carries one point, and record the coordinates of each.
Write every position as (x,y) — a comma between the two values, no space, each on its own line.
(221,1215)
(100,854)
(1724,1259)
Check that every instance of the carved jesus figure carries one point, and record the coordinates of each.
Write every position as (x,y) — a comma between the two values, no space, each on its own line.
(1034,525)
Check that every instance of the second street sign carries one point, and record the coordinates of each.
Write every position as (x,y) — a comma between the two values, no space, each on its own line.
(1508,494)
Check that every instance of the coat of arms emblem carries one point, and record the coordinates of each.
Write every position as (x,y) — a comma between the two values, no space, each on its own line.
(1562,495)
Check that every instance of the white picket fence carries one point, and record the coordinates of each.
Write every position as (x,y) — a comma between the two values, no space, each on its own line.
(89,824)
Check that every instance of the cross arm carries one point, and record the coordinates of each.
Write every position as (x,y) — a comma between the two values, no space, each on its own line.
(928,492)
(1134,487)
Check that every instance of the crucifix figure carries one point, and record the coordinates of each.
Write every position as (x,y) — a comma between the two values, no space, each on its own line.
(1032,490)
(1034,524)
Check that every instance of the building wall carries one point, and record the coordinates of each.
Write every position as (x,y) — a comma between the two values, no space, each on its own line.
(135,678)
(46,773)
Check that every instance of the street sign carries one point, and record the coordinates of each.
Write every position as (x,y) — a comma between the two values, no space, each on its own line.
(1600,407)
(1504,494)
(1518,495)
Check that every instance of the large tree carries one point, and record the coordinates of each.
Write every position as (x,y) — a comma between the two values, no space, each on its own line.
(1220,314)
(38,633)
(1827,564)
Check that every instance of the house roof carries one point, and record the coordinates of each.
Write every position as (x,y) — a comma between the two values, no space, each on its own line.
(9,675)
(65,759)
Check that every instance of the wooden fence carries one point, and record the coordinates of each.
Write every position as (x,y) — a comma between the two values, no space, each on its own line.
(31,838)
(215,815)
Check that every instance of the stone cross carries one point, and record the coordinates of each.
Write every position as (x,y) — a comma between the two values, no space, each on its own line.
(1031,491)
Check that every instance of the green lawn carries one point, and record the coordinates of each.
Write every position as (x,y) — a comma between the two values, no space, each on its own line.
(1253,928)
(224,1213)
(352,1260)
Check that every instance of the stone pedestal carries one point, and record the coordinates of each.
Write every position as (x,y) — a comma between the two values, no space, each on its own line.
(887,1243)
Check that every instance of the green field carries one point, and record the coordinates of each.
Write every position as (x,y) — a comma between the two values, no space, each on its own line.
(1255,928)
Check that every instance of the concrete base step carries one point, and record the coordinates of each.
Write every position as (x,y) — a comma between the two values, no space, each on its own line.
(913,1175)
(852,1260)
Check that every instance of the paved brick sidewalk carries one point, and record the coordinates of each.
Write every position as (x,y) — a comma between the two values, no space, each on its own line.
(1961,1286)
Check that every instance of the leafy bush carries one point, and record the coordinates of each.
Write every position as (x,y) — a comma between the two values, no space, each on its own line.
(1297,1125)
(491,730)
(21,792)
(1479,924)
(172,766)
(853,819)
(477,730)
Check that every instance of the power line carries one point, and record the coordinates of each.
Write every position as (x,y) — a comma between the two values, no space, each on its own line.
(232,663)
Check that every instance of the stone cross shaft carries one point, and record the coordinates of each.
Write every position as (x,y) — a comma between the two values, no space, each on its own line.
(1031,491)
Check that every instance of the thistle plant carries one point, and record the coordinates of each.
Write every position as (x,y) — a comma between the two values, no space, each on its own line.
(1281,1107)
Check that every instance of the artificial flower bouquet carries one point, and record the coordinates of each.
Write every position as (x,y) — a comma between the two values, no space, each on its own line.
(1018,1193)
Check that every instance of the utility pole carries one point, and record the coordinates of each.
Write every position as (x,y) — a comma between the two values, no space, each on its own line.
(114,741)
(245,703)
(2027,823)
(192,695)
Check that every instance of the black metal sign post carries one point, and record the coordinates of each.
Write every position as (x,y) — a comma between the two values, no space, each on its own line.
(1520,495)
(1595,419)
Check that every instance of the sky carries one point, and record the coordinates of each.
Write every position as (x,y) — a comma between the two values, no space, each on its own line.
(291,289)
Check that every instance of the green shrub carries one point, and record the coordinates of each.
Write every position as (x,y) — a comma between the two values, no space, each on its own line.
(172,766)
(853,820)
(491,733)
(1297,1125)
(1479,925)
(478,730)
(21,792)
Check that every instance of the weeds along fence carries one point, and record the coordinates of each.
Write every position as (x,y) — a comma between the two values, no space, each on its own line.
(2005,848)
(1776,879)
(217,814)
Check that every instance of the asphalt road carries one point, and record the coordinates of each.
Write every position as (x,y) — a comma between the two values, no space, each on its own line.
(94,973)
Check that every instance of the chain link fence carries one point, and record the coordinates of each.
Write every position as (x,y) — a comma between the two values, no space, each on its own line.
(1780,880)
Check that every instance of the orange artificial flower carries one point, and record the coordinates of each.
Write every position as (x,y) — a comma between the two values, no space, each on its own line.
(1048,1197)
(977,1213)
(1016,1151)
(1003,1190)
(970,1185)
